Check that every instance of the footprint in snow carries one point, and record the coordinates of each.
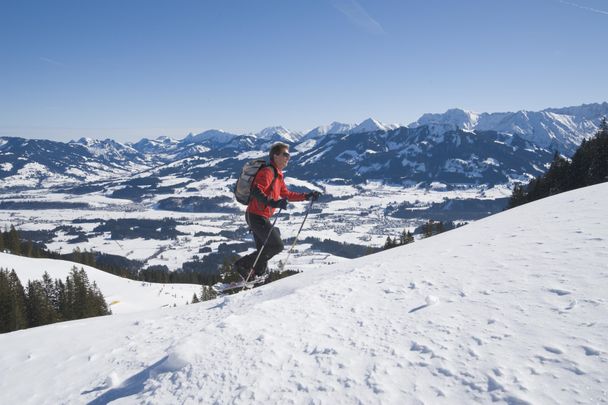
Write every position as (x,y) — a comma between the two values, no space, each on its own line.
(553,350)
(590,351)
(571,305)
(559,292)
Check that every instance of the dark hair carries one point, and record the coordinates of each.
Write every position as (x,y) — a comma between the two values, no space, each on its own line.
(276,149)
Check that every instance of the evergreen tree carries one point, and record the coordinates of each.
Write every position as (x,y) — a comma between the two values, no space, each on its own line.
(207,293)
(14,242)
(88,258)
(68,310)
(39,308)
(518,197)
(18,317)
(51,292)
(80,292)
(405,238)
(428,229)
(402,237)
(195,299)
(409,238)
(99,304)
(6,303)
(62,305)
(35,251)
(440,228)
(598,167)
(29,249)
(557,178)
(34,304)
(81,298)
(77,255)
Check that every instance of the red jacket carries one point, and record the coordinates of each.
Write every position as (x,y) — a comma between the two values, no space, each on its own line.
(272,191)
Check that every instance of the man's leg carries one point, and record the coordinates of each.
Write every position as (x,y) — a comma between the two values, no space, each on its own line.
(243,265)
(262,229)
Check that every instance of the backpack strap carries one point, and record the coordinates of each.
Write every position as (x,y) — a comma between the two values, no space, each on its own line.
(276,174)
(256,193)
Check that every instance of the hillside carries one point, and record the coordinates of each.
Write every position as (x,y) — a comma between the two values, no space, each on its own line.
(510,309)
(121,294)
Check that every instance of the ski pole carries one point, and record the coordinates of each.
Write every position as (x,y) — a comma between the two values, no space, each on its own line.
(298,234)
(263,245)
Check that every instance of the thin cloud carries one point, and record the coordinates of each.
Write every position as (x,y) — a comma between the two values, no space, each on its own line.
(358,16)
(51,61)
(594,10)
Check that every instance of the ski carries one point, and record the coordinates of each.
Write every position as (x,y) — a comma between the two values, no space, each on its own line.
(221,288)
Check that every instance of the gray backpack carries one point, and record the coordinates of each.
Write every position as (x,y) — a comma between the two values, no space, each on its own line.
(242,189)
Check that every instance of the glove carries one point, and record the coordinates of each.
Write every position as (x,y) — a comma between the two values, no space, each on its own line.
(282,203)
(314,195)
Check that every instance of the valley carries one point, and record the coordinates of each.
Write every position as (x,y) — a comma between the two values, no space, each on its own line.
(357,216)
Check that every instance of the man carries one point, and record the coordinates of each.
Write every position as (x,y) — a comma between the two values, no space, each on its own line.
(268,192)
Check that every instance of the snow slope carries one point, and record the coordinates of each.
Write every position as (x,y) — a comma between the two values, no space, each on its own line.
(122,295)
(510,309)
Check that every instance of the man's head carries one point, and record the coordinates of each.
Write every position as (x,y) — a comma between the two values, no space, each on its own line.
(279,154)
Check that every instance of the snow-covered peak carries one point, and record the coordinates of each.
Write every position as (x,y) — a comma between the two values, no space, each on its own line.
(214,135)
(91,142)
(107,148)
(86,141)
(452,118)
(371,125)
(586,111)
(278,133)
(166,140)
(156,147)
(333,128)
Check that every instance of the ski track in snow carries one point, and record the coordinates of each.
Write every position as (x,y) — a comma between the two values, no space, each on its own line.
(510,309)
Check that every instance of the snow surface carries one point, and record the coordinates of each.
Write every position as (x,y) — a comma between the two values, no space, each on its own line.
(510,309)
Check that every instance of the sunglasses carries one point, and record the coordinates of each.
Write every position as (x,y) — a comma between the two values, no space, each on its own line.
(285,154)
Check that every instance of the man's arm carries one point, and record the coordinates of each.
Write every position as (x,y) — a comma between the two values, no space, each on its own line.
(291,195)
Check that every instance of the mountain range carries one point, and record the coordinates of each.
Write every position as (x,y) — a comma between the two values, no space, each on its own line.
(457,146)
(561,129)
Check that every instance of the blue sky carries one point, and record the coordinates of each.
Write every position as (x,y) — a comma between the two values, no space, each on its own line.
(129,69)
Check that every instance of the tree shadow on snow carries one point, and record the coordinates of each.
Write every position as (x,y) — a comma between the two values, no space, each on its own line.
(132,386)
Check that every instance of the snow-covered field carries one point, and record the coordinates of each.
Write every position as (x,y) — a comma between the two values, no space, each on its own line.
(510,309)
(357,216)
(121,294)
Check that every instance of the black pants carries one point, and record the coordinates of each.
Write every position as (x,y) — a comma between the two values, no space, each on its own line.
(260,227)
